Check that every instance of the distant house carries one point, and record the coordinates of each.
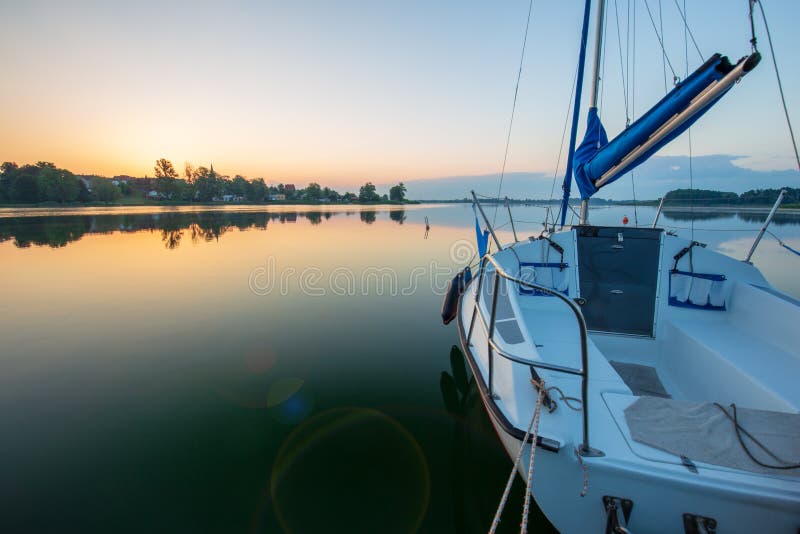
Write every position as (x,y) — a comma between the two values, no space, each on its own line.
(274,198)
(154,195)
(289,188)
(227,198)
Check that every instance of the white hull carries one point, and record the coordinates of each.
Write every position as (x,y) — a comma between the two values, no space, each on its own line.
(660,486)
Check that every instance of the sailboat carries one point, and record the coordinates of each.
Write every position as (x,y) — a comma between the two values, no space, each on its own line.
(653,380)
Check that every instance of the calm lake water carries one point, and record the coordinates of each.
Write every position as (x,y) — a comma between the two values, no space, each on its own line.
(243,370)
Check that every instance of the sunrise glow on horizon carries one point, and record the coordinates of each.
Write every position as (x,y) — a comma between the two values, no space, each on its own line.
(340,94)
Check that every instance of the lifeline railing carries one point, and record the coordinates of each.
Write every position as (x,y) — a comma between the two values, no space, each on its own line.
(492,347)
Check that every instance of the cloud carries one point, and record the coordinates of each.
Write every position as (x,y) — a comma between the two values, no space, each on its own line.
(766,163)
(654,178)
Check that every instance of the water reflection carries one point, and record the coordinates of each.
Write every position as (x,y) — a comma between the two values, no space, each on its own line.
(480,464)
(58,231)
(780,219)
(368,217)
(398,216)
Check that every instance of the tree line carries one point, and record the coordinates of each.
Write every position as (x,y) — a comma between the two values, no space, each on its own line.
(753,197)
(44,182)
(40,183)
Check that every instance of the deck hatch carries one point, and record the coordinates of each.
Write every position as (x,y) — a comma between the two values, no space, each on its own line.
(618,272)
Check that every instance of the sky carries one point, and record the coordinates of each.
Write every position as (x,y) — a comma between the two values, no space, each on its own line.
(348,91)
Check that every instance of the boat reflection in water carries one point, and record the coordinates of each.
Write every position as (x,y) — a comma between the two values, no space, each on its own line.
(480,465)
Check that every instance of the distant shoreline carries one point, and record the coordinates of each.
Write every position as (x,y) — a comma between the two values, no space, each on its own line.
(730,209)
(168,204)
(56,207)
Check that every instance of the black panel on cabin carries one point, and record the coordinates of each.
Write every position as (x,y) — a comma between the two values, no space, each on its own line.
(618,270)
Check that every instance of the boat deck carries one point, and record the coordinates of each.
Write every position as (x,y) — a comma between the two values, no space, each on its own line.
(725,353)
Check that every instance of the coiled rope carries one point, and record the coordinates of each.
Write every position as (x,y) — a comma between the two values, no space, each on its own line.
(739,429)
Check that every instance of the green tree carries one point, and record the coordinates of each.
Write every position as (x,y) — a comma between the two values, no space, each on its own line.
(84,195)
(398,192)
(189,172)
(105,191)
(330,194)
(26,186)
(8,173)
(313,192)
(166,181)
(66,188)
(207,184)
(257,190)
(239,185)
(164,169)
(367,193)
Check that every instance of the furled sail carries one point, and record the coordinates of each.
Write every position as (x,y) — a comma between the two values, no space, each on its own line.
(598,162)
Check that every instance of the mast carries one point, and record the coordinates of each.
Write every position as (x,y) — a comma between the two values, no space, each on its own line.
(598,54)
(576,111)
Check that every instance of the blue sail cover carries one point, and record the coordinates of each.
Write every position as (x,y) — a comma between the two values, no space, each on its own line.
(596,155)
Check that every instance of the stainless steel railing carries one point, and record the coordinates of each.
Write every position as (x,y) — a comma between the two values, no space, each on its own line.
(493,348)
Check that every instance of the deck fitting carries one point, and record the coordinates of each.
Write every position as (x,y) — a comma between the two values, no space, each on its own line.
(697,524)
(618,513)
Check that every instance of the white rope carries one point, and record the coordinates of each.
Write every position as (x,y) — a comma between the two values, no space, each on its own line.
(529,483)
(585,488)
(504,499)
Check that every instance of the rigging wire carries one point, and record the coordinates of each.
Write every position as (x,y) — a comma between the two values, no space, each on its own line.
(513,107)
(660,40)
(777,76)
(563,139)
(687,28)
(712,229)
(633,104)
(628,53)
(784,245)
(622,67)
(663,55)
(687,32)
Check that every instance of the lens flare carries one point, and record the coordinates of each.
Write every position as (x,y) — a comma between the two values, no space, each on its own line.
(365,469)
